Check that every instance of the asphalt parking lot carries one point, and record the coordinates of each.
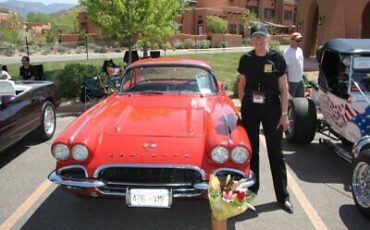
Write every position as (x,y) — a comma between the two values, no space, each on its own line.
(319,183)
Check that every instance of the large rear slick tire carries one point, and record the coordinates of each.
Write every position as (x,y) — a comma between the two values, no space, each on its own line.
(303,121)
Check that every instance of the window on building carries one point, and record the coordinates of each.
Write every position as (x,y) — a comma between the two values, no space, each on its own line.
(288,15)
(232,28)
(269,14)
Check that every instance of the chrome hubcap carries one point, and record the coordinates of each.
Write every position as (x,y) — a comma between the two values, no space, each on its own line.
(49,120)
(361,184)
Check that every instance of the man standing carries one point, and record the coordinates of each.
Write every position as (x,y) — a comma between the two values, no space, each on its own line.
(263,92)
(294,59)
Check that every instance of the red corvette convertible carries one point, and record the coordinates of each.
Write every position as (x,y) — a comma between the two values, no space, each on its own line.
(169,126)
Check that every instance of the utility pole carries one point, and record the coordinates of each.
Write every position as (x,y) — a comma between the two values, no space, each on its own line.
(28,51)
(87,50)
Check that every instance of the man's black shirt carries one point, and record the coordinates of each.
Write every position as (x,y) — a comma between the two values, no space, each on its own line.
(262,73)
(26,73)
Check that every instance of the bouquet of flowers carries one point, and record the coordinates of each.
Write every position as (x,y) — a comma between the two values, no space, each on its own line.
(227,198)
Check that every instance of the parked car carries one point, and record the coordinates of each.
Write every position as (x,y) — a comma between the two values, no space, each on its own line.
(342,96)
(27,106)
(169,126)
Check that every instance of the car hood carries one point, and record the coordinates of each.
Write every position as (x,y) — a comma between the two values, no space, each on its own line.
(140,115)
(155,117)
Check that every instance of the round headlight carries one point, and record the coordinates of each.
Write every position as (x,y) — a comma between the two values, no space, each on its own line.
(239,155)
(60,151)
(80,152)
(220,154)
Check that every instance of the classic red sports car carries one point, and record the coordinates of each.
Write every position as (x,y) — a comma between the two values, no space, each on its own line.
(169,126)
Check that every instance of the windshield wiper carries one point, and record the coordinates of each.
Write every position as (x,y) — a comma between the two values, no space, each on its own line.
(150,92)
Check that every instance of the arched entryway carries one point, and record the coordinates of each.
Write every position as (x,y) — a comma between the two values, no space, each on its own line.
(311,37)
(365,32)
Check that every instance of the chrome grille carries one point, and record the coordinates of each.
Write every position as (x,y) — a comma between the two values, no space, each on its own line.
(180,180)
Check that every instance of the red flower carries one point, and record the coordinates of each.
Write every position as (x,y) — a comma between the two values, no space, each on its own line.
(240,195)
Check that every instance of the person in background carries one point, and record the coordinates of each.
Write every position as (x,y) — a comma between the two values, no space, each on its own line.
(293,56)
(3,74)
(263,92)
(26,71)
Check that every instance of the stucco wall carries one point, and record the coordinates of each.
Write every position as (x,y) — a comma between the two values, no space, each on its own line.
(335,19)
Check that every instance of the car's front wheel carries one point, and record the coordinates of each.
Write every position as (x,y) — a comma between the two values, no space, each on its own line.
(48,121)
(361,182)
(303,121)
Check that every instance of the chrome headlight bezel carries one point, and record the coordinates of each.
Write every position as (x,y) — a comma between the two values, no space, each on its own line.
(220,154)
(79,152)
(60,152)
(239,154)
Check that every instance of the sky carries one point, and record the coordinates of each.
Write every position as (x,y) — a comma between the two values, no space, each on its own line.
(47,2)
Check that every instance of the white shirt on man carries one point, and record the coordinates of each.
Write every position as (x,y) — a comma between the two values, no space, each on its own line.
(4,75)
(294,60)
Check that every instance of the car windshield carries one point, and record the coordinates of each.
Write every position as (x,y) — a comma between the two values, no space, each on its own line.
(363,80)
(168,79)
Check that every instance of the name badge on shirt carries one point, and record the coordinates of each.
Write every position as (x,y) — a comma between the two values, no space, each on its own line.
(258,97)
(268,68)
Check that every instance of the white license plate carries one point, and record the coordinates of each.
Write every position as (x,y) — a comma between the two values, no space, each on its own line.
(152,198)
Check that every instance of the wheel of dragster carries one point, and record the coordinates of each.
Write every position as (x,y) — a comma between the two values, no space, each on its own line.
(302,121)
(361,182)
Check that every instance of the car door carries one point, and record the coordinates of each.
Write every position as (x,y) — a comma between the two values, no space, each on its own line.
(18,117)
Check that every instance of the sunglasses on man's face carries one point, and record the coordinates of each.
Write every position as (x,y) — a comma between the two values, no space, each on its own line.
(24,60)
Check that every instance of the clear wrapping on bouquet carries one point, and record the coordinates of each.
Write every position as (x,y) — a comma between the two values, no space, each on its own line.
(227,198)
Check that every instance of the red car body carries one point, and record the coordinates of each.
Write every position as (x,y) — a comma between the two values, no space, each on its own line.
(151,139)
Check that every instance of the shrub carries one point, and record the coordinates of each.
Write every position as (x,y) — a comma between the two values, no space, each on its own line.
(285,41)
(70,80)
(247,42)
(235,88)
(9,52)
(274,44)
(45,52)
(188,43)
(222,44)
(166,46)
(101,49)
(203,44)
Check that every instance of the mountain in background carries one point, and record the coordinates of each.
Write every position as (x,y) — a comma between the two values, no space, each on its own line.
(23,8)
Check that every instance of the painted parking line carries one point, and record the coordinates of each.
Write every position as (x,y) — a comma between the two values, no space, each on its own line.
(308,208)
(310,211)
(25,206)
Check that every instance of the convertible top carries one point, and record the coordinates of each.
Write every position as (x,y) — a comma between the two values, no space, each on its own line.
(348,46)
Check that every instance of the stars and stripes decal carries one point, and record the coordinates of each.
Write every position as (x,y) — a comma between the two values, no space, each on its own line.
(341,113)
(363,121)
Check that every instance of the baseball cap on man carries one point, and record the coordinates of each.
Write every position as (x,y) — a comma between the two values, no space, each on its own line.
(296,36)
(260,29)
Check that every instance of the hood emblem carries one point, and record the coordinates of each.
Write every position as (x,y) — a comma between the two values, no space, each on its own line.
(150,146)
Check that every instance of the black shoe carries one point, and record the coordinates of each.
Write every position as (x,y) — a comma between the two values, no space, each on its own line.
(287,206)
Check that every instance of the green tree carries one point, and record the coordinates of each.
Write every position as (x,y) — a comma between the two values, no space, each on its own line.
(216,25)
(40,17)
(131,20)
(9,35)
(68,23)
(248,19)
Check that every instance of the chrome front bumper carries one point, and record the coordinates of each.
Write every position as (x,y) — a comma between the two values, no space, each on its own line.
(88,183)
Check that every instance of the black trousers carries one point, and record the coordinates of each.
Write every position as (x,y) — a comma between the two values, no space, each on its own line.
(268,114)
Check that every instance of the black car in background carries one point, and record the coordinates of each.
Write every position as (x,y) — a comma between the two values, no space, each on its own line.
(27,106)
